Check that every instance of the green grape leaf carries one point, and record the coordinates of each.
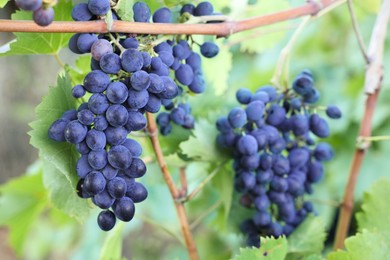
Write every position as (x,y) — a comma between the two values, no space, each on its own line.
(312,257)
(375,208)
(112,246)
(217,70)
(202,144)
(223,184)
(307,239)
(271,249)
(173,3)
(22,200)
(3,3)
(372,6)
(258,40)
(41,43)
(81,68)
(365,245)
(64,197)
(170,143)
(373,240)
(62,156)
(124,9)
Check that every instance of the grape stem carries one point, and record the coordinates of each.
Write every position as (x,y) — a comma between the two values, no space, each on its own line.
(356,29)
(281,73)
(375,138)
(116,42)
(282,65)
(175,194)
(220,29)
(373,82)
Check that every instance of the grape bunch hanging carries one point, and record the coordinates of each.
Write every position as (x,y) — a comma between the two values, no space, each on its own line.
(130,76)
(276,159)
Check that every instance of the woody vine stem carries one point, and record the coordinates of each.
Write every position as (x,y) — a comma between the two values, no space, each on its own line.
(374,74)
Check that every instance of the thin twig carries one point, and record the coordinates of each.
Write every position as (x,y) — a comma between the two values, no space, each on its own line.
(356,29)
(373,82)
(330,203)
(285,53)
(183,182)
(202,184)
(181,213)
(220,29)
(58,59)
(260,33)
(161,226)
(197,221)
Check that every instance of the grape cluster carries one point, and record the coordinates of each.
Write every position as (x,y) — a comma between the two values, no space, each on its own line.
(276,159)
(43,12)
(130,75)
(174,55)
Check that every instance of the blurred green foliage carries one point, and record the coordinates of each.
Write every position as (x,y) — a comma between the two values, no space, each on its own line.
(327,46)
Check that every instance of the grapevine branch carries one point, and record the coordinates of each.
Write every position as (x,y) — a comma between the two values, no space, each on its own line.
(219,29)
(181,213)
(373,82)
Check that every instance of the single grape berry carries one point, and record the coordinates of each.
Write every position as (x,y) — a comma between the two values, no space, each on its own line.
(141,12)
(124,209)
(94,182)
(57,129)
(106,220)
(80,12)
(333,112)
(78,91)
(44,16)
(162,15)
(237,117)
(99,7)
(119,157)
(209,49)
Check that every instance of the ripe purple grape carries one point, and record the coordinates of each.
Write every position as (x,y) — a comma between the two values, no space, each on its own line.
(97,159)
(57,129)
(116,187)
(94,182)
(80,12)
(141,12)
(29,5)
(162,15)
(99,7)
(106,220)
(85,42)
(117,115)
(209,49)
(98,104)
(115,135)
(204,8)
(96,140)
(75,132)
(43,16)
(110,63)
(119,157)
(124,209)
(136,121)
(132,60)
(96,81)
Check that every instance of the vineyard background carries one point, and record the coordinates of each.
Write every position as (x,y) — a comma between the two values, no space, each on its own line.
(327,46)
